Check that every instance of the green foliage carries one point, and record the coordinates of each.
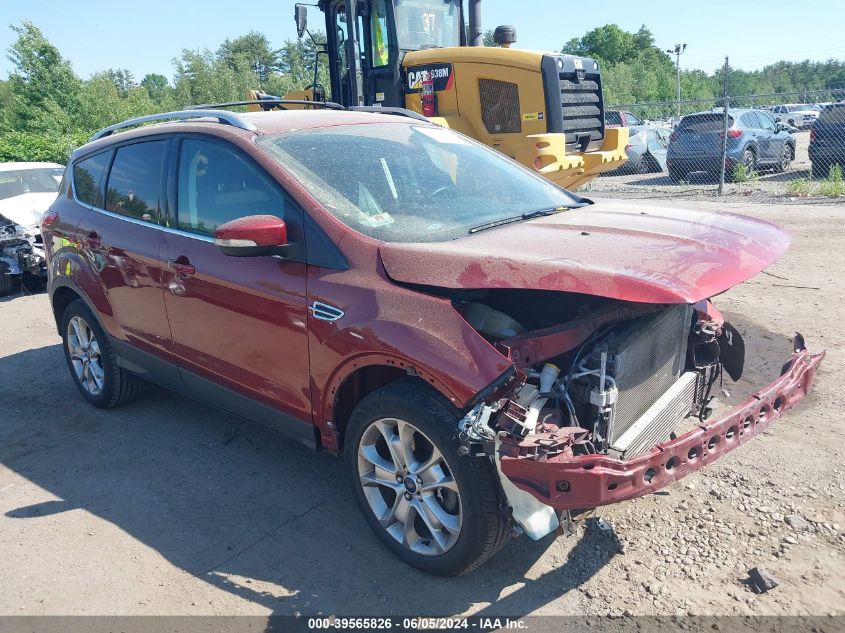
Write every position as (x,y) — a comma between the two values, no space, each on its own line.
(252,51)
(834,185)
(42,81)
(32,146)
(46,110)
(741,174)
(800,187)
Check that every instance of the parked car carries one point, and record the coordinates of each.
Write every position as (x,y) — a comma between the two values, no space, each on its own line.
(646,151)
(797,115)
(487,350)
(754,140)
(26,191)
(621,118)
(827,140)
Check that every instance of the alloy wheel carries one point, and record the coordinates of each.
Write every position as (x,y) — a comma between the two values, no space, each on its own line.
(409,487)
(85,357)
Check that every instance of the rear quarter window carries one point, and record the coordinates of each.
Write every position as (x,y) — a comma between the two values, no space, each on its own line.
(87,176)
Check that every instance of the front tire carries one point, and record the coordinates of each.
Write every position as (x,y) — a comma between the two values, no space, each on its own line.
(435,510)
(92,361)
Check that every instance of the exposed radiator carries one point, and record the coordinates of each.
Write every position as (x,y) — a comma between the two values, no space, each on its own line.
(659,420)
(646,359)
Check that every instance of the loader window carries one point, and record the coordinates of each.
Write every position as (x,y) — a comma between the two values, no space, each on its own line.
(378,33)
(404,182)
(424,24)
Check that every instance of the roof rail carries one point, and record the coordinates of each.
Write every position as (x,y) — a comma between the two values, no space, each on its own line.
(387,110)
(269,103)
(227,118)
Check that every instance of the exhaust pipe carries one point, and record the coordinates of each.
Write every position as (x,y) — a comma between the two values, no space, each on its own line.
(476,37)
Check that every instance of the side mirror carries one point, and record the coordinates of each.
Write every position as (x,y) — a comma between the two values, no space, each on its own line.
(253,236)
(300,14)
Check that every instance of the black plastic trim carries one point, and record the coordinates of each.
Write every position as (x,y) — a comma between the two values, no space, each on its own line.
(211,393)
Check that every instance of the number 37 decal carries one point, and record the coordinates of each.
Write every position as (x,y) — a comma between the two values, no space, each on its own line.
(428,21)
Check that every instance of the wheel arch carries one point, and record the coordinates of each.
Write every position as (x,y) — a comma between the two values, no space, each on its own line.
(357,379)
(64,293)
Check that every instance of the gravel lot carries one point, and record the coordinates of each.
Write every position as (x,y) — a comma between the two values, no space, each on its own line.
(770,187)
(167,507)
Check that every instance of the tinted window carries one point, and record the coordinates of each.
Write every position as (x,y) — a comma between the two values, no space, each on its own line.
(699,123)
(612,118)
(216,184)
(87,175)
(135,181)
(766,121)
(833,114)
(632,120)
(750,120)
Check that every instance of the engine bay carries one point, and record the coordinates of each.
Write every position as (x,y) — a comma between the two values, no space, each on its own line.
(595,375)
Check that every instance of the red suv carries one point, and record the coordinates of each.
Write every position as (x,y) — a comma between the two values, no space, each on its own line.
(489,351)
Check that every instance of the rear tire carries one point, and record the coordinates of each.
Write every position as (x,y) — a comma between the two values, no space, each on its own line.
(749,160)
(401,502)
(92,361)
(786,157)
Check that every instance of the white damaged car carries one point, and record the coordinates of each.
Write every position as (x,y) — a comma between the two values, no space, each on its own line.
(26,191)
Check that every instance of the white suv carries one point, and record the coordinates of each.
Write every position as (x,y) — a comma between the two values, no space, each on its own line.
(795,114)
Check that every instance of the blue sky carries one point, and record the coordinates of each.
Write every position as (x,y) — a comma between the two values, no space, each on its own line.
(145,36)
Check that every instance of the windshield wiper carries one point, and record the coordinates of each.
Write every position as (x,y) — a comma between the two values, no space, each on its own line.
(527,216)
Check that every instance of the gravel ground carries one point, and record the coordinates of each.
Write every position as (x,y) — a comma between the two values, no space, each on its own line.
(769,187)
(167,507)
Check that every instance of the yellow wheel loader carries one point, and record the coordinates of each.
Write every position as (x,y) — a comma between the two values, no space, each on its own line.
(545,110)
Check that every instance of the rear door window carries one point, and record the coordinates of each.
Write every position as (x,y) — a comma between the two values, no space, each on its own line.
(134,185)
(217,184)
(87,176)
(612,118)
(766,121)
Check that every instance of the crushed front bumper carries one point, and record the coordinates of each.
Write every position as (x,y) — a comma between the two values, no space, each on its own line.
(567,482)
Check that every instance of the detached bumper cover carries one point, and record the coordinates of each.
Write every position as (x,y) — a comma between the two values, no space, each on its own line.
(568,482)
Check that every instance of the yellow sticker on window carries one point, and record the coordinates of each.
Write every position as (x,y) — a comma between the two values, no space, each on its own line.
(532,116)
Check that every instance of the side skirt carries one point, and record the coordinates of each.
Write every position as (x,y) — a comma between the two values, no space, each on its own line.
(196,387)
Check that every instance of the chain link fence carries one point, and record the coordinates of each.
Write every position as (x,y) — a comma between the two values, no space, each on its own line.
(786,147)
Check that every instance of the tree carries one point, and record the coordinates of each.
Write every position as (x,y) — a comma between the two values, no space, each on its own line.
(252,51)
(201,77)
(156,86)
(122,78)
(42,79)
(297,65)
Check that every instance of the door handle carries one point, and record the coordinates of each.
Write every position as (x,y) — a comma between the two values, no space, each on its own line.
(93,241)
(182,266)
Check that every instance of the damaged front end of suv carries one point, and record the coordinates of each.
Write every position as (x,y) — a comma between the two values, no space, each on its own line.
(611,388)
(596,406)
(22,259)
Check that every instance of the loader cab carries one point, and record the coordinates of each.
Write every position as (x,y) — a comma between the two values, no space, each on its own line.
(366,40)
